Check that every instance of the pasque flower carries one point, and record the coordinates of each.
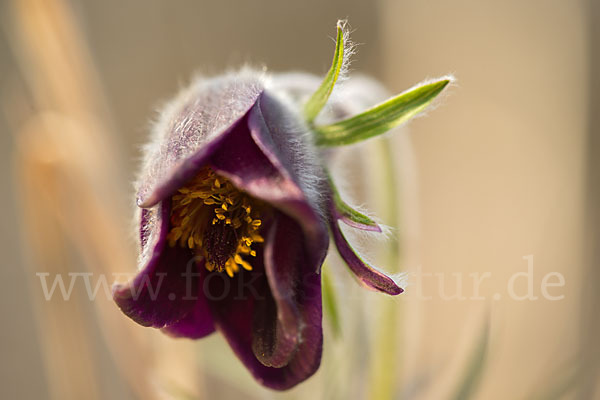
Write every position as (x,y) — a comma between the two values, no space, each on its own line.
(235,212)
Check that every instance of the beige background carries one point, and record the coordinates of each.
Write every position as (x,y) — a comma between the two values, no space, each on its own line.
(503,163)
(501,172)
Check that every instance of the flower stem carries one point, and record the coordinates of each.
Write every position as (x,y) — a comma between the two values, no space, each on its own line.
(384,371)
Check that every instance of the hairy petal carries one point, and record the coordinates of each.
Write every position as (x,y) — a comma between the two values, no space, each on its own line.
(160,293)
(266,163)
(191,128)
(263,151)
(275,325)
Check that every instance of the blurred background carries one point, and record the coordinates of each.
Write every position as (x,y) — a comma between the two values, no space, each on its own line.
(500,179)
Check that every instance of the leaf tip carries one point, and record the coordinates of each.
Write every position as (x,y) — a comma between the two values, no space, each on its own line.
(317,101)
(444,81)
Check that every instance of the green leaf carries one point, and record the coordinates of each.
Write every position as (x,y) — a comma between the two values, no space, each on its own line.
(382,117)
(475,366)
(330,302)
(350,215)
(318,100)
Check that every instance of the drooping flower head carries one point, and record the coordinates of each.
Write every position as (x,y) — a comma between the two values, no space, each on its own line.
(235,211)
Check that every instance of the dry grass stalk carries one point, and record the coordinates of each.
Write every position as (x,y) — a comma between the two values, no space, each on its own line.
(64,158)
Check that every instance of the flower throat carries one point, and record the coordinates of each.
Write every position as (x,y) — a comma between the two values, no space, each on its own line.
(217,221)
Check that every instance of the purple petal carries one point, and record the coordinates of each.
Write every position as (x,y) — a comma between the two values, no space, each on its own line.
(183,171)
(191,128)
(279,136)
(278,313)
(275,345)
(160,293)
(368,276)
(198,323)
(264,164)
(258,152)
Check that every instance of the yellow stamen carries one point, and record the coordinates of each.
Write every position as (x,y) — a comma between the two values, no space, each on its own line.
(246,265)
(217,221)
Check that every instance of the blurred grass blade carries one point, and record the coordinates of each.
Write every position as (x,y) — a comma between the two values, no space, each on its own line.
(349,214)
(382,117)
(318,100)
(476,365)
(62,147)
(330,302)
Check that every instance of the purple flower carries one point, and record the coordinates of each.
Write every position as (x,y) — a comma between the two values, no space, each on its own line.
(235,213)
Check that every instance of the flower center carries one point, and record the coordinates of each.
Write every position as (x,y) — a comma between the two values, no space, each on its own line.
(217,221)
